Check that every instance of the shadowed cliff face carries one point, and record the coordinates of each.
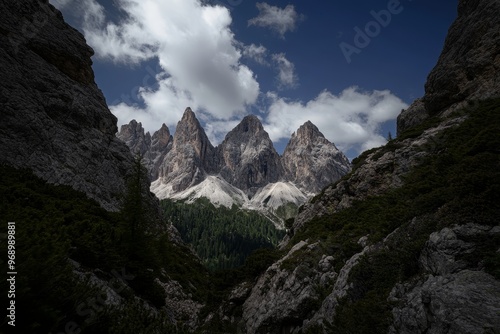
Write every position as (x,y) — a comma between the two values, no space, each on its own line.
(468,66)
(153,149)
(405,243)
(54,119)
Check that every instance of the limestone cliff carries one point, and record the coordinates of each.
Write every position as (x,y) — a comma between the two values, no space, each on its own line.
(55,120)
(248,158)
(468,66)
(311,161)
(152,149)
(191,156)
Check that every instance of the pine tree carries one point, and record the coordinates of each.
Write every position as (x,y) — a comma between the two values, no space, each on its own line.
(134,219)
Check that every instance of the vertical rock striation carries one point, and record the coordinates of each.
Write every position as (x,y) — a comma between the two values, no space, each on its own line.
(152,149)
(248,158)
(191,158)
(54,118)
(311,161)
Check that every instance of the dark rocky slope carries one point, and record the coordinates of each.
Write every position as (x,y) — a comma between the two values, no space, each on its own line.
(467,68)
(55,120)
(87,227)
(408,241)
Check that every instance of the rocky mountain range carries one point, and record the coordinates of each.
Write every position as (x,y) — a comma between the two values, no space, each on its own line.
(240,170)
(407,242)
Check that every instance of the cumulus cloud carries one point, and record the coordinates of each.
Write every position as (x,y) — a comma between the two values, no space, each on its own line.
(257,53)
(196,51)
(351,119)
(199,66)
(286,72)
(280,20)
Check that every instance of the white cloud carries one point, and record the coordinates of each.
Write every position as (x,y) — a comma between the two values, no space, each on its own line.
(286,72)
(199,67)
(196,51)
(256,53)
(351,120)
(277,19)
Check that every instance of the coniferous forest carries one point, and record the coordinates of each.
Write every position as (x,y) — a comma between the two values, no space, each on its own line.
(221,237)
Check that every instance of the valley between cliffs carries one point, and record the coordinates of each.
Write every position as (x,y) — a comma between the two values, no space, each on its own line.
(406,240)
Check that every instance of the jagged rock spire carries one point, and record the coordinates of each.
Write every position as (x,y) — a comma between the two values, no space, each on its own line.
(248,158)
(311,161)
(192,156)
(245,159)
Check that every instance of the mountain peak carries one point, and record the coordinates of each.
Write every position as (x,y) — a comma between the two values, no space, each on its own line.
(192,156)
(308,131)
(467,68)
(250,123)
(133,135)
(311,161)
(245,159)
(189,128)
(248,157)
(188,115)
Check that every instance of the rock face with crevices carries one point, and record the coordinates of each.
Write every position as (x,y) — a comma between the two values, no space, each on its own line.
(248,158)
(152,149)
(453,296)
(191,157)
(55,120)
(468,66)
(311,161)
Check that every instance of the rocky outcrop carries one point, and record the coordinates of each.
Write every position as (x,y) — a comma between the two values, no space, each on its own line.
(161,144)
(281,299)
(454,296)
(376,172)
(311,161)
(152,149)
(468,66)
(54,117)
(191,158)
(469,63)
(248,158)
(133,135)
(466,302)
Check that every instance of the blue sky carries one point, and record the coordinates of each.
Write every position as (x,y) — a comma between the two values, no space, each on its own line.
(348,66)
